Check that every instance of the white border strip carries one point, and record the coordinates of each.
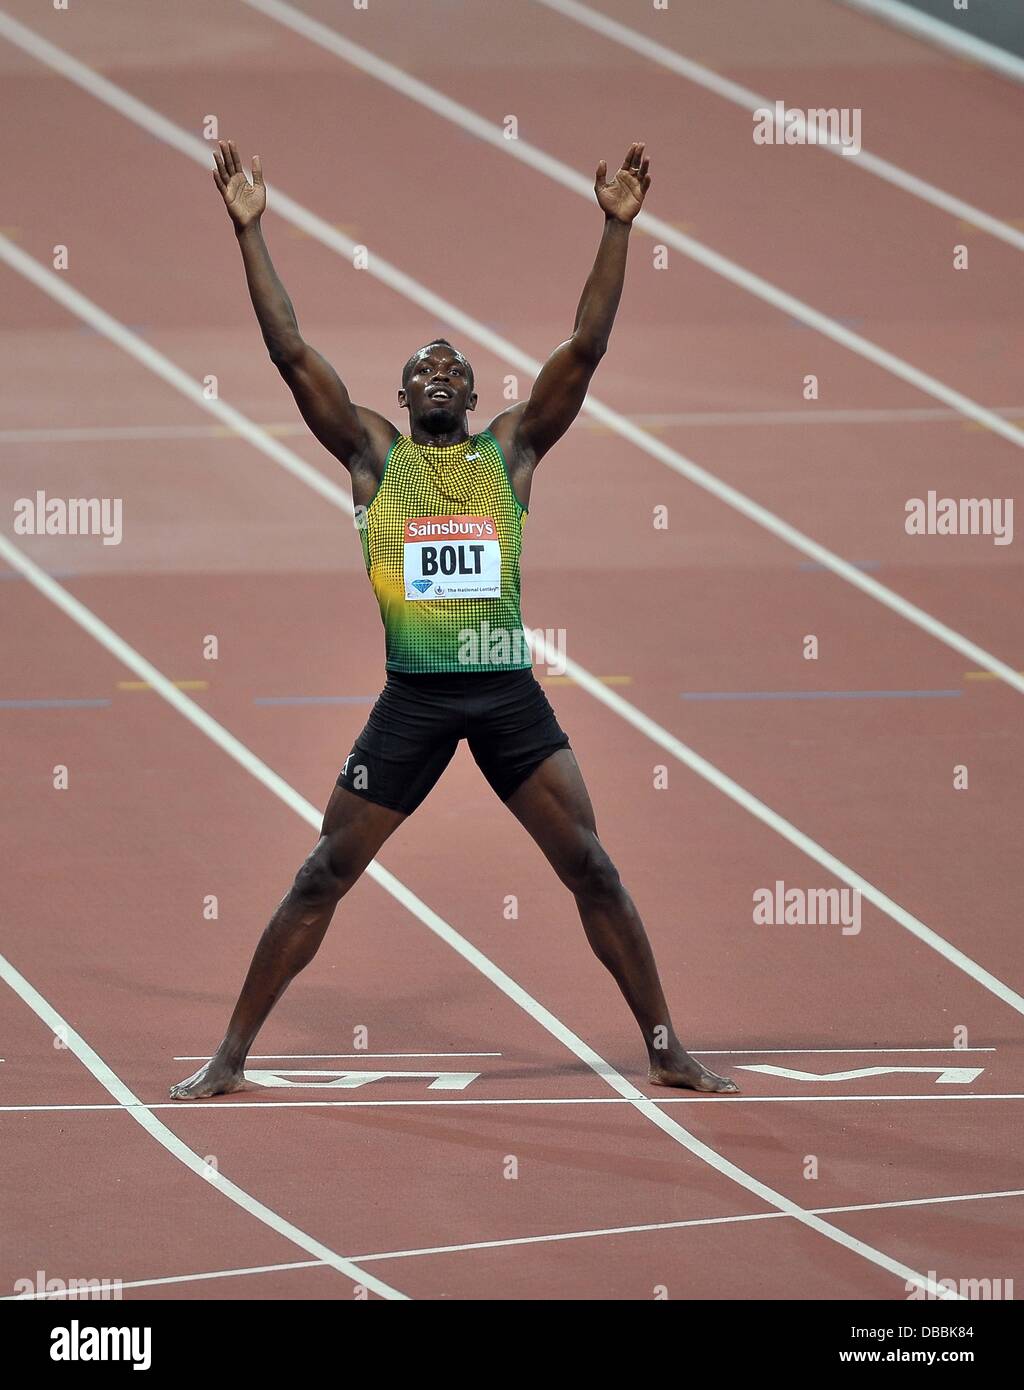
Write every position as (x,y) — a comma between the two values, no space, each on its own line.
(247,759)
(54,285)
(925,26)
(491,134)
(750,101)
(157,1130)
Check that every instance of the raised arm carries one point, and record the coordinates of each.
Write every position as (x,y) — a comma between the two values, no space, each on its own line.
(528,430)
(359,437)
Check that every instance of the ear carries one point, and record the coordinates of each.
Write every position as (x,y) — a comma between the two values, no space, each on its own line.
(403,403)
(471,403)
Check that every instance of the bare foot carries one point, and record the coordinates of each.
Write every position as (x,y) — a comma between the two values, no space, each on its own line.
(678,1068)
(214,1079)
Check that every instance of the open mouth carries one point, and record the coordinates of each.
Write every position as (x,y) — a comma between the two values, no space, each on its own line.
(439,393)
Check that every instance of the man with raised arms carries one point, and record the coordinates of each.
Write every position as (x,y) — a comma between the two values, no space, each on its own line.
(440,515)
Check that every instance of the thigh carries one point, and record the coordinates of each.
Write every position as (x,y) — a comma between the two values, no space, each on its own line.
(353,831)
(408,741)
(553,804)
(512,730)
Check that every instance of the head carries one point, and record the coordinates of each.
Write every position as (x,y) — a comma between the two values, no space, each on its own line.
(437,388)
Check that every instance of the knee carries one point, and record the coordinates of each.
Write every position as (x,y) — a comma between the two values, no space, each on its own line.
(591,874)
(322,879)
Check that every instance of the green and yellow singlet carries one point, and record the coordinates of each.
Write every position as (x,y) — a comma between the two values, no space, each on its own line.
(441,541)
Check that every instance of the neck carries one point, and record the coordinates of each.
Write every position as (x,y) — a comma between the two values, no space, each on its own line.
(458,434)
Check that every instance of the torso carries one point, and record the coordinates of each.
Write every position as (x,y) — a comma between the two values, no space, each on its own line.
(441,533)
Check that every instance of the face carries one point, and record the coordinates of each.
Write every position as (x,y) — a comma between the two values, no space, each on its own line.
(439,390)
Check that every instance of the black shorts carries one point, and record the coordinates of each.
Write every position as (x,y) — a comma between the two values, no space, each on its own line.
(418,721)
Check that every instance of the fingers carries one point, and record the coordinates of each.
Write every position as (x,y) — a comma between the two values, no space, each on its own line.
(257,171)
(219,181)
(228,160)
(602,172)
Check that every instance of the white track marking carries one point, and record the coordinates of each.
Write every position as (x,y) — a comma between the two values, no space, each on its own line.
(750,101)
(791,1051)
(329,1056)
(492,134)
(697,1052)
(52,283)
(639,1229)
(235,749)
(85,434)
(168,371)
(493,1100)
(169,1279)
(55,286)
(157,1130)
(725,784)
(944,1075)
(678,1225)
(924,26)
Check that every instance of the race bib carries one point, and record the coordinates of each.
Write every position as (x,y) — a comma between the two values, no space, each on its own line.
(451,557)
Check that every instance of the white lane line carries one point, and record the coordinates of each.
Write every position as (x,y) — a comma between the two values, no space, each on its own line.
(53,284)
(641,1229)
(697,1052)
(492,134)
(750,101)
(85,434)
(511,1100)
(244,756)
(169,1279)
(948,36)
(327,1056)
(808,1051)
(678,1225)
(732,419)
(764,813)
(157,1130)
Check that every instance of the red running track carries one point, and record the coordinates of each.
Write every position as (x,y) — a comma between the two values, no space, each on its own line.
(620,1191)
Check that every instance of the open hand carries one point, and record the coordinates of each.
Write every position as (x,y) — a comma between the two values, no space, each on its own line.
(622,196)
(245,201)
